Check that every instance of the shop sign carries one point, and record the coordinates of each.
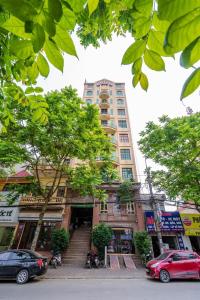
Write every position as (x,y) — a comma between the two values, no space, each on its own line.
(8,214)
(170,221)
(104,82)
(191,224)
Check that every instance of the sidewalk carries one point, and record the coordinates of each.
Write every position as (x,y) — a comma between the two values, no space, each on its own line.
(69,272)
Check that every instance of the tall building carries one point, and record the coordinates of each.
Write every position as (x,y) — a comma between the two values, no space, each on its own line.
(110,97)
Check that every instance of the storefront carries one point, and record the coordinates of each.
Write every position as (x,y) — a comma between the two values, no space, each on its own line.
(27,226)
(8,224)
(191,223)
(171,228)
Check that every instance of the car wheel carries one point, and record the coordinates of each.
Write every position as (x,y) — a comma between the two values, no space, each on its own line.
(164,276)
(22,276)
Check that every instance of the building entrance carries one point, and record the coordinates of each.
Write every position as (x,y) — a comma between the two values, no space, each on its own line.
(81,216)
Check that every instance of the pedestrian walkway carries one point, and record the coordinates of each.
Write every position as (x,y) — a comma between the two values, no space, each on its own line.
(69,272)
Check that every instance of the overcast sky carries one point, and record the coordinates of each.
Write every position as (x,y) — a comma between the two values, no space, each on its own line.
(161,98)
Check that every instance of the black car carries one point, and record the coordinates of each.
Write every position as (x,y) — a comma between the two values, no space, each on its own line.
(22,265)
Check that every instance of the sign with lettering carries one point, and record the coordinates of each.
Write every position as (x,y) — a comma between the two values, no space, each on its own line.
(191,223)
(104,82)
(170,221)
(8,214)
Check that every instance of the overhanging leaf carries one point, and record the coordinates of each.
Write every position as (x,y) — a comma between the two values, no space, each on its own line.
(182,32)
(154,61)
(53,54)
(55,9)
(38,37)
(191,54)
(136,68)
(15,26)
(21,48)
(135,51)
(144,83)
(191,84)
(43,65)
(144,6)
(92,5)
(64,41)
(136,79)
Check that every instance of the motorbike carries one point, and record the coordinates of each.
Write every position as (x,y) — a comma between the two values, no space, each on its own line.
(92,261)
(56,260)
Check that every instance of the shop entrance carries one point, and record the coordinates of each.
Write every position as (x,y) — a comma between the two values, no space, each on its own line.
(122,241)
(195,242)
(81,216)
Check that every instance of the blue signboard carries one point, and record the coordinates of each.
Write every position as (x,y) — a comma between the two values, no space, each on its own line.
(170,221)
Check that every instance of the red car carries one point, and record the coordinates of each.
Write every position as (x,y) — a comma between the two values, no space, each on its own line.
(174,264)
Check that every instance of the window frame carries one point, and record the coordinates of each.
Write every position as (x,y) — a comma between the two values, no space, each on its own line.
(125,154)
(127,177)
(122,122)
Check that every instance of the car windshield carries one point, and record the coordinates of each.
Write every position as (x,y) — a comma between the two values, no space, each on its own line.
(162,256)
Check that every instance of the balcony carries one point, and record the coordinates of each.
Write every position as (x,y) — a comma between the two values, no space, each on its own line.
(105,116)
(114,214)
(31,200)
(104,94)
(113,140)
(115,160)
(104,104)
(110,127)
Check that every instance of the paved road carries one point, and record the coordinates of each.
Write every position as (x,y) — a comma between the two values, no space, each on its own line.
(99,289)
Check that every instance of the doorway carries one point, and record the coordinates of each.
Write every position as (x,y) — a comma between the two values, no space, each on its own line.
(81,216)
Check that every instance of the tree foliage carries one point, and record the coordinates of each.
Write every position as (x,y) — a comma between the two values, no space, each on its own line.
(175,145)
(73,132)
(34,34)
(125,192)
(59,240)
(101,236)
(143,244)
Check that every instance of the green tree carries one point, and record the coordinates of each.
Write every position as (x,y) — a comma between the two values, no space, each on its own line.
(174,144)
(73,131)
(125,192)
(59,239)
(35,33)
(101,236)
(142,242)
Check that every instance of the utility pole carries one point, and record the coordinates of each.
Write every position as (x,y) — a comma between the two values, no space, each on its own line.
(156,209)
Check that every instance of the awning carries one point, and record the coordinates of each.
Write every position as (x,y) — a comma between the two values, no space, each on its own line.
(87,205)
(34,216)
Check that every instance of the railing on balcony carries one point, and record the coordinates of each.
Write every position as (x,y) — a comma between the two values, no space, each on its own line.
(104,103)
(113,140)
(104,94)
(110,126)
(40,200)
(125,213)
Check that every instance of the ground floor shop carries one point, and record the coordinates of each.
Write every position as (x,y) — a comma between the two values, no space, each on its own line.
(122,241)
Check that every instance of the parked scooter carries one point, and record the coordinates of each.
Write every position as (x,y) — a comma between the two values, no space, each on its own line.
(92,260)
(56,260)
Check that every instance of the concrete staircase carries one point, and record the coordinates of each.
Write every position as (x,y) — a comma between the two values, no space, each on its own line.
(78,247)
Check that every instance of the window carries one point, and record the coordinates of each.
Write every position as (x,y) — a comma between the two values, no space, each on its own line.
(121,112)
(119,85)
(97,101)
(89,93)
(88,101)
(111,101)
(19,255)
(122,123)
(103,207)
(61,191)
(104,101)
(110,92)
(97,92)
(127,173)
(130,208)
(4,255)
(125,154)
(111,111)
(104,111)
(104,122)
(119,93)
(124,138)
(120,101)
(176,257)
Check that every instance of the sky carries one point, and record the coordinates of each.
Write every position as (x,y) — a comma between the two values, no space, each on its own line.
(162,97)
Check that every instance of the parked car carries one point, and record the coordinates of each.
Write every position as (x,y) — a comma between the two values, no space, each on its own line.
(174,264)
(22,265)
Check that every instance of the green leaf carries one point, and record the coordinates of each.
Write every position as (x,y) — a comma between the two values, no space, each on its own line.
(29,26)
(64,41)
(182,32)
(160,25)
(68,20)
(144,6)
(29,90)
(92,5)
(156,41)
(33,72)
(136,68)
(173,9)
(153,60)
(135,51)
(136,79)
(38,38)
(38,89)
(37,114)
(21,9)
(191,84)
(191,54)
(43,65)
(21,48)
(77,6)
(55,9)
(49,25)
(144,83)
(53,54)
(141,27)
(16,27)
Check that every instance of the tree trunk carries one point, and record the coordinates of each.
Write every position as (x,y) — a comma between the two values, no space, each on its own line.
(39,225)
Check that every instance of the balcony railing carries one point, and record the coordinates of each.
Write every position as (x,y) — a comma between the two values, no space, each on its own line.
(104,94)
(110,127)
(25,200)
